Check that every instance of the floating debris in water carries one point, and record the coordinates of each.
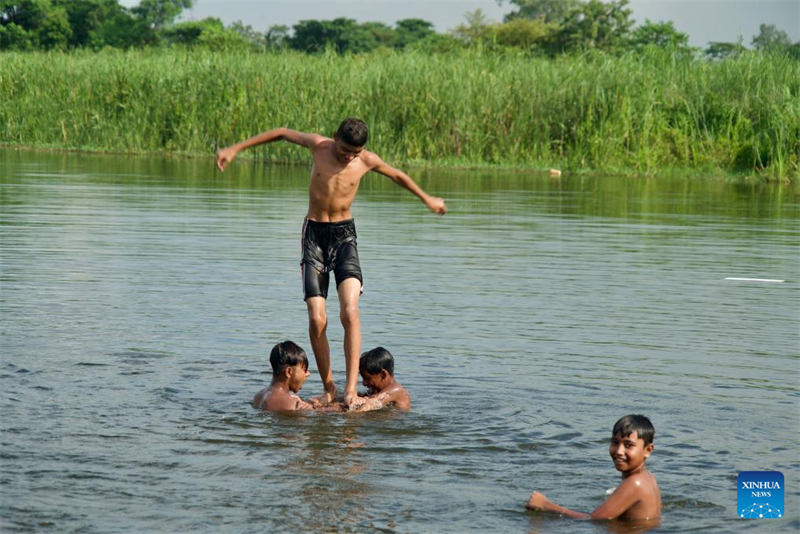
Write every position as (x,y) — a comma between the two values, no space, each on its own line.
(757,280)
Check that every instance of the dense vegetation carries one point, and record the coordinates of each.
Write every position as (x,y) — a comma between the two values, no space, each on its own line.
(641,112)
(545,27)
(559,82)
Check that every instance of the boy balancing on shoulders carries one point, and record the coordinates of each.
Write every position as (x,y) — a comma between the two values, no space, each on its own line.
(289,371)
(377,371)
(637,497)
(329,234)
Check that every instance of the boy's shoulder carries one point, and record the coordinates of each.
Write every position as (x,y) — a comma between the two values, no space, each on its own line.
(642,482)
(319,141)
(399,396)
(275,400)
(370,159)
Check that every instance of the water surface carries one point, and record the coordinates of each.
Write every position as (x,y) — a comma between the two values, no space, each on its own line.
(140,298)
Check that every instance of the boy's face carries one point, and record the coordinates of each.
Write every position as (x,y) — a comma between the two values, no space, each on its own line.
(629,452)
(297,375)
(346,153)
(375,383)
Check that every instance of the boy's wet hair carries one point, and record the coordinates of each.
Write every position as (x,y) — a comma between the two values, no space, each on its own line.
(286,354)
(635,423)
(376,360)
(353,132)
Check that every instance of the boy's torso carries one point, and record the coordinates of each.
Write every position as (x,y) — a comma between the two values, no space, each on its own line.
(333,184)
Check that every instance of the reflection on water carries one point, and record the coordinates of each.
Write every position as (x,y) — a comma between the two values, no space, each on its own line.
(140,297)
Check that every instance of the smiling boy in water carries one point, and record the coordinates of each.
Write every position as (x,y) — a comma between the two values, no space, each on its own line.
(377,372)
(329,234)
(637,497)
(289,371)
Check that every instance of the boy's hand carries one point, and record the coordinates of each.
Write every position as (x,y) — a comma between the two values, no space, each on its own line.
(323,400)
(225,156)
(352,400)
(537,502)
(436,205)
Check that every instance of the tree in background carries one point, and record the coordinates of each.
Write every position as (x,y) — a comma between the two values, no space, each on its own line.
(526,34)
(347,36)
(121,30)
(477,28)
(553,11)
(341,34)
(595,25)
(15,37)
(256,39)
(209,33)
(771,39)
(160,13)
(660,34)
(410,31)
(30,24)
(722,50)
(277,37)
(86,17)
(380,34)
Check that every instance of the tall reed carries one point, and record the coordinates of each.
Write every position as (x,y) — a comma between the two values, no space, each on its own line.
(639,113)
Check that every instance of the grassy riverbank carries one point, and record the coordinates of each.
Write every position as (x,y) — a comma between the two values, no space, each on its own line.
(638,114)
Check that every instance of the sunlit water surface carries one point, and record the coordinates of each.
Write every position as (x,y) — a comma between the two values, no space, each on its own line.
(140,299)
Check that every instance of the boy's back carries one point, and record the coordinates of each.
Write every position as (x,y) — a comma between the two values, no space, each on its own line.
(277,400)
(643,489)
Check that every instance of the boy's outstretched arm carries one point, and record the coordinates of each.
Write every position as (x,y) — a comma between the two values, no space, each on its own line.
(435,204)
(227,154)
(539,502)
(619,502)
(302,405)
(395,394)
(375,402)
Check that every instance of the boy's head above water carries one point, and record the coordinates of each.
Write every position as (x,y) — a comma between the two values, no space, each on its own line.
(350,139)
(377,369)
(289,364)
(631,443)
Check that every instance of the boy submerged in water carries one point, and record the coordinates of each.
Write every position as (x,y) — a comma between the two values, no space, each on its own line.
(637,497)
(289,371)
(377,371)
(329,234)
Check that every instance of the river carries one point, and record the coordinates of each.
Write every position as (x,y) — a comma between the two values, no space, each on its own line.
(140,298)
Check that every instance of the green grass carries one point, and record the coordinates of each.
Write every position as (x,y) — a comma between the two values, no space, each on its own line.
(636,113)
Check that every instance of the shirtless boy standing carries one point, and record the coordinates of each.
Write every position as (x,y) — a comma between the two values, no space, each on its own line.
(329,234)
(637,497)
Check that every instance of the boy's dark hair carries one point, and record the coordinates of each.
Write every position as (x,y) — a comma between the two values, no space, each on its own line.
(353,132)
(286,354)
(635,423)
(376,360)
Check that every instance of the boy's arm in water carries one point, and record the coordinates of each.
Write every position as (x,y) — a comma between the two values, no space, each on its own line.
(392,395)
(302,405)
(435,204)
(624,497)
(228,154)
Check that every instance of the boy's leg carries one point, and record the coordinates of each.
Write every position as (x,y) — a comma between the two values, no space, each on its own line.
(349,291)
(317,327)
